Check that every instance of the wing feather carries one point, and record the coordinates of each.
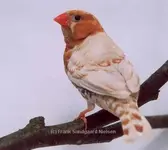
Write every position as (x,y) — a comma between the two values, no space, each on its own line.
(118,80)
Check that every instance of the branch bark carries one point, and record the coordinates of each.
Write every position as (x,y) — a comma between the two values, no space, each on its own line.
(36,134)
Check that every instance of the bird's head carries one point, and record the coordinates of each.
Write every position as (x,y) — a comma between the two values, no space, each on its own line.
(78,24)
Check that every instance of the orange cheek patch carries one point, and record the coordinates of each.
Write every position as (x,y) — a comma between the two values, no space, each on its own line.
(81,30)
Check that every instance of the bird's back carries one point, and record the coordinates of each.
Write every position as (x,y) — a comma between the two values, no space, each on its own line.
(95,49)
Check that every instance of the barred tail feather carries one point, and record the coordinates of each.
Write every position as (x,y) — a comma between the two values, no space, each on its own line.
(134,126)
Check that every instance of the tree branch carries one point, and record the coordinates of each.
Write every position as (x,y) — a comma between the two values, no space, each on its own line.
(36,134)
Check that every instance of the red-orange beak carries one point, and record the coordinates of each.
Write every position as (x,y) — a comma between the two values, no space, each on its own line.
(62,19)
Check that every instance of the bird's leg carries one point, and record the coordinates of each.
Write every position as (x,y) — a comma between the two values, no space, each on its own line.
(82,114)
(83,117)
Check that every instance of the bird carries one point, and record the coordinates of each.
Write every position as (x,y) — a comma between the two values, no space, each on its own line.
(99,69)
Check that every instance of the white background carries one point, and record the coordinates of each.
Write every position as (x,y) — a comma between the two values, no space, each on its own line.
(32,78)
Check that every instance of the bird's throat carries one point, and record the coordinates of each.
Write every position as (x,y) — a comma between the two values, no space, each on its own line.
(69,39)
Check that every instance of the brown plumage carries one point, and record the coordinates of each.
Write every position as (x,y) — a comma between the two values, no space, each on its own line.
(88,26)
(98,68)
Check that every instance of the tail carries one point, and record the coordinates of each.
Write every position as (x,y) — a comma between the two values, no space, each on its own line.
(134,125)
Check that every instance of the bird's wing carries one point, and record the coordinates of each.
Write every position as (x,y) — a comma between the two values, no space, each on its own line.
(117,80)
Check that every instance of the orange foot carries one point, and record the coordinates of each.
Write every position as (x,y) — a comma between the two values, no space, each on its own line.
(82,116)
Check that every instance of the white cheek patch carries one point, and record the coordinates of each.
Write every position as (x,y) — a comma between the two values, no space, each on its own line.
(72,26)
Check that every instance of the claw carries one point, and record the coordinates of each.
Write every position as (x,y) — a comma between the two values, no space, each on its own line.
(82,117)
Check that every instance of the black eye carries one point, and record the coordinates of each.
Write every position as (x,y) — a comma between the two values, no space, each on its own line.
(76,18)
